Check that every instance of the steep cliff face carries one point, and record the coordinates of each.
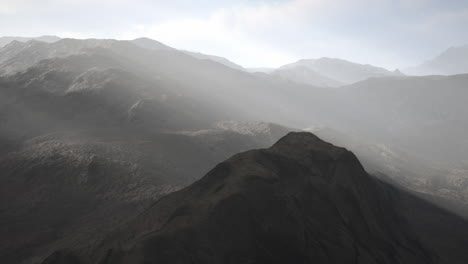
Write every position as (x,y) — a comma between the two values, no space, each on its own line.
(301,201)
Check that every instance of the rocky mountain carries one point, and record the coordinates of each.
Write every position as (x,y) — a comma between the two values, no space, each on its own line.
(302,200)
(59,189)
(452,61)
(331,72)
(6,40)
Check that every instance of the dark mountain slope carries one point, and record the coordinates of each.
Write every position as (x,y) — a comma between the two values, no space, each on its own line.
(301,201)
(70,188)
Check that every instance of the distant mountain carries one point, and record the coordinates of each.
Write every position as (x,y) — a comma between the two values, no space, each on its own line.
(303,74)
(148,43)
(411,111)
(331,72)
(452,61)
(446,183)
(217,59)
(301,201)
(151,44)
(6,40)
(19,56)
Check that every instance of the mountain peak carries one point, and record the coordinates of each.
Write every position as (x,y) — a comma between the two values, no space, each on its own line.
(150,44)
(305,142)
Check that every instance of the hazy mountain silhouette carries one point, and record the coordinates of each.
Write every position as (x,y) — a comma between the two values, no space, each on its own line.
(303,74)
(152,44)
(331,72)
(452,61)
(302,200)
(218,59)
(6,40)
(411,111)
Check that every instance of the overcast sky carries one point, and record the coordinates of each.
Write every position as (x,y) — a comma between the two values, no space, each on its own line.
(256,33)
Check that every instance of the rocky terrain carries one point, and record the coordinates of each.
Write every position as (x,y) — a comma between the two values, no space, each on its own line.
(303,200)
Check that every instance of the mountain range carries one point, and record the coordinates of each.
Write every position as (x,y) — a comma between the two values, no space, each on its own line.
(330,72)
(96,134)
(6,40)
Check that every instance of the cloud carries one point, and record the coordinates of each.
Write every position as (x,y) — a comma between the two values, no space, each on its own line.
(266,34)
(10,6)
(252,35)
(233,32)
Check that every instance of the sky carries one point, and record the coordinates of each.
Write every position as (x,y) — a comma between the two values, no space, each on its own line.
(257,33)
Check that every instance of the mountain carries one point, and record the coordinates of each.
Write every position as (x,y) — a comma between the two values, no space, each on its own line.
(302,201)
(151,44)
(303,74)
(331,72)
(411,129)
(19,56)
(452,61)
(213,85)
(217,59)
(410,112)
(98,128)
(60,189)
(184,93)
(442,184)
(6,40)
